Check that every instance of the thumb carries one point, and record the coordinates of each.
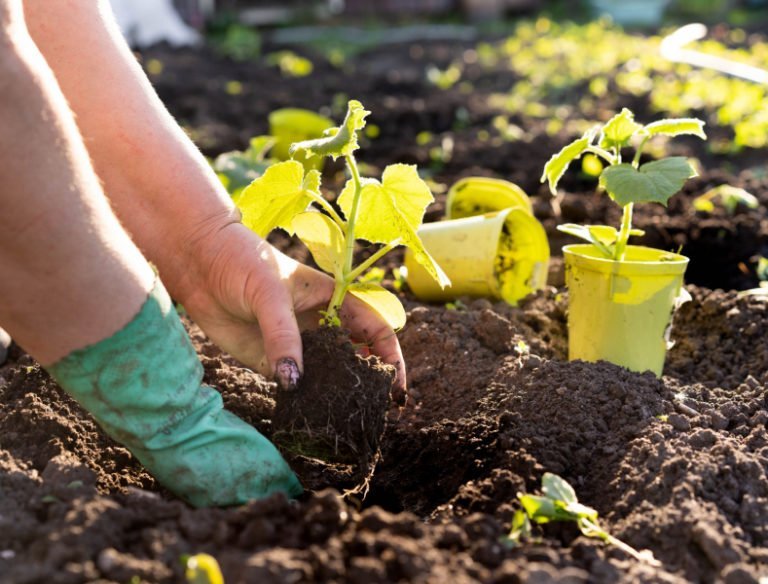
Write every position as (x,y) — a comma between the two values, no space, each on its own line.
(273,307)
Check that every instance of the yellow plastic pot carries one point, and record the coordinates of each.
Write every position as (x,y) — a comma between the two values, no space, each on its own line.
(502,255)
(291,125)
(620,311)
(477,195)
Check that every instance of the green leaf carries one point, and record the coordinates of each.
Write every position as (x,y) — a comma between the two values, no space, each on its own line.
(392,210)
(259,146)
(731,197)
(520,529)
(274,199)
(558,164)
(600,238)
(703,205)
(237,170)
(653,182)
(619,129)
(581,511)
(558,488)
(341,141)
(676,127)
(539,509)
(382,301)
(323,238)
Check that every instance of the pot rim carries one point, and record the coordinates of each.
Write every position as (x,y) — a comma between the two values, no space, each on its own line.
(575,256)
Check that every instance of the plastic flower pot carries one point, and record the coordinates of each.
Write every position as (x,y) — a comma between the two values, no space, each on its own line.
(477,195)
(502,255)
(291,125)
(621,311)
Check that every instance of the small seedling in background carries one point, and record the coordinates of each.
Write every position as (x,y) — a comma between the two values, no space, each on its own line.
(202,569)
(559,503)
(444,79)
(237,169)
(387,212)
(291,64)
(456,305)
(591,165)
(730,197)
(626,183)
(238,42)
(522,348)
(761,271)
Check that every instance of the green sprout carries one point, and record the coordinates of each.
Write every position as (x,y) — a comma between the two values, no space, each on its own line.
(291,64)
(386,212)
(730,197)
(239,42)
(558,502)
(444,78)
(626,183)
(202,569)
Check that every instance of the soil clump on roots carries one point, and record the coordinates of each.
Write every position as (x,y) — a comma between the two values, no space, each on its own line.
(336,414)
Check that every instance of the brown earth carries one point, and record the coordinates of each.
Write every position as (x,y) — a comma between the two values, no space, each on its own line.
(677,465)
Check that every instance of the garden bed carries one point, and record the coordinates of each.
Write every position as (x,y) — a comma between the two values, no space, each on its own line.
(677,465)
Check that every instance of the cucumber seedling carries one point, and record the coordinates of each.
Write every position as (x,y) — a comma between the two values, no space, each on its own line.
(558,502)
(627,183)
(387,212)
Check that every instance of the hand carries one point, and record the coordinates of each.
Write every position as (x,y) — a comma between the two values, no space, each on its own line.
(253,301)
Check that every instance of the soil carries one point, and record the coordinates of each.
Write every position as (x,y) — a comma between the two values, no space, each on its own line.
(676,465)
(336,414)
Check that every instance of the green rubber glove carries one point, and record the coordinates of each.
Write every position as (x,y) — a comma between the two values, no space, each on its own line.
(143,386)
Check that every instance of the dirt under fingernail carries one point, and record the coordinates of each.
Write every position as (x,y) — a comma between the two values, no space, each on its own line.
(287,374)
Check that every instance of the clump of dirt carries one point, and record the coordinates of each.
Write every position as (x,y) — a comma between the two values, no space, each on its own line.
(338,411)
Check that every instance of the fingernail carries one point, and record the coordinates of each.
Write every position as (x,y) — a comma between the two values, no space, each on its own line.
(287,374)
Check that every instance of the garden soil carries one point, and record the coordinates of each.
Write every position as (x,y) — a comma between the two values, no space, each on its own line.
(676,465)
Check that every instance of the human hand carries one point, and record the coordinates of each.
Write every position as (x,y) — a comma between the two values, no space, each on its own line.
(253,301)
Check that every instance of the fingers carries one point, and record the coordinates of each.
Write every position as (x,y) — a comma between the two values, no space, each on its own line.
(272,304)
(364,323)
(273,307)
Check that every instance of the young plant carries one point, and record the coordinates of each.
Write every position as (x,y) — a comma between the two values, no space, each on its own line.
(558,502)
(730,197)
(202,569)
(237,169)
(386,212)
(626,183)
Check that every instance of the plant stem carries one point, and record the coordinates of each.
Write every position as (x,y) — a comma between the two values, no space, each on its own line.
(604,154)
(343,281)
(639,152)
(626,226)
(358,271)
(320,200)
(352,219)
(598,531)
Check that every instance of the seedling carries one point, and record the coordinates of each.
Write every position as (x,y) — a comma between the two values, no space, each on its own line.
(559,503)
(761,271)
(730,197)
(626,183)
(202,569)
(237,169)
(386,212)
(291,64)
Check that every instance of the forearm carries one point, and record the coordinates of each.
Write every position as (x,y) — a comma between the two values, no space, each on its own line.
(158,182)
(69,275)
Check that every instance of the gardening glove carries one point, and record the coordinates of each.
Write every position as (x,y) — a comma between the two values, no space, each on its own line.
(143,386)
